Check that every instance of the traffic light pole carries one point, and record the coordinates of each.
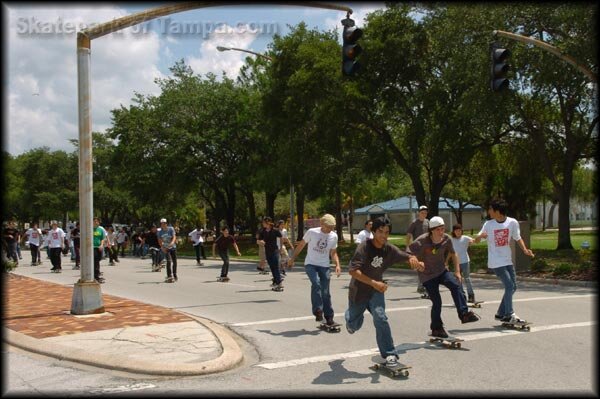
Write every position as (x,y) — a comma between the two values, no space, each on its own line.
(551,49)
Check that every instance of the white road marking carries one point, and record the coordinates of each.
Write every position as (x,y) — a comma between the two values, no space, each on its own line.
(374,351)
(124,388)
(288,319)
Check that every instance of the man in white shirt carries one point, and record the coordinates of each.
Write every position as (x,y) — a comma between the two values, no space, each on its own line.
(365,234)
(322,243)
(55,241)
(499,231)
(34,236)
(197,238)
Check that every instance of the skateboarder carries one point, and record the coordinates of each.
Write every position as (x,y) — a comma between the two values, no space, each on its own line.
(500,230)
(461,245)
(322,244)
(431,249)
(223,242)
(267,238)
(418,227)
(371,259)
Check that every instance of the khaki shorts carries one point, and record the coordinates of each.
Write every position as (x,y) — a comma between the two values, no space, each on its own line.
(261,253)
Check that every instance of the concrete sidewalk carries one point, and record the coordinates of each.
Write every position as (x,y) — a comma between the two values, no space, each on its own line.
(129,336)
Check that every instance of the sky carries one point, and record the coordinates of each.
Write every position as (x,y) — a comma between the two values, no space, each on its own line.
(40,85)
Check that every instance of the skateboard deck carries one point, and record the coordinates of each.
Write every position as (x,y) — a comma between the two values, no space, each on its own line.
(450,342)
(400,369)
(263,272)
(519,325)
(333,328)
(476,304)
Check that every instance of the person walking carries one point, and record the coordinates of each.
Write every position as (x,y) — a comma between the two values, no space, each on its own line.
(154,247)
(197,239)
(122,239)
(267,238)
(34,237)
(418,227)
(223,242)
(431,249)
(367,287)
(111,246)
(365,234)
(76,236)
(498,231)
(262,258)
(167,238)
(282,244)
(10,236)
(99,241)
(461,245)
(321,245)
(55,242)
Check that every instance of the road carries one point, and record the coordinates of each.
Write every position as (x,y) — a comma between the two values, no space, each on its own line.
(286,354)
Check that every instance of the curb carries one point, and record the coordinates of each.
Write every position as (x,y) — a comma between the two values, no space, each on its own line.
(230,357)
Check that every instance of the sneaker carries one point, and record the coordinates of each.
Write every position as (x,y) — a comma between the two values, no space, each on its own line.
(117,260)
(169,280)
(319,315)
(421,289)
(350,331)
(515,319)
(471,298)
(278,287)
(469,317)
(175,277)
(198,263)
(330,321)
(391,361)
(282,271)
(505,319)
(111,263)
(498,317)
(100,280)
(440,333)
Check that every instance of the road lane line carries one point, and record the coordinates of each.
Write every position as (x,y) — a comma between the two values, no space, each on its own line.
(288,319)
(374,351)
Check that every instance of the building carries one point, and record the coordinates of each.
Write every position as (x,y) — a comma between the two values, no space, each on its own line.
(402,211)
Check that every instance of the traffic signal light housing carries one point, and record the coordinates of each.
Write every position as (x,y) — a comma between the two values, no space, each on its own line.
(350,49)
(500,67)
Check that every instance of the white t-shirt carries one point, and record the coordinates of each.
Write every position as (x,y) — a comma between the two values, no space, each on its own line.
(34,236)
(461,246)
(499,235)
(55,238)
(283,235)
(196,236)
(364,235)
(319,245)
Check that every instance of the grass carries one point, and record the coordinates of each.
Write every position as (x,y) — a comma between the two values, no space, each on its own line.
(543,245)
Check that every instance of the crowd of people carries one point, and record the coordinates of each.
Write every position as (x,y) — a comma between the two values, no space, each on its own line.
(429,251)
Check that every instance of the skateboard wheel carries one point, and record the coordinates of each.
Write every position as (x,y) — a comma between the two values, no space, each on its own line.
(405,374)
(377,366)
(458,345)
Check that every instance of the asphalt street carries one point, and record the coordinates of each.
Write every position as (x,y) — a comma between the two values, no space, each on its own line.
(285,352)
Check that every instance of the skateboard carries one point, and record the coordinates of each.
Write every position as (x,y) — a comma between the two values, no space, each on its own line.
(263,271)
(56,270)
(476,304)
(329,328)
(425,296)
(450,342)
(400,369)
(519,325)
(277,288)
(223,279)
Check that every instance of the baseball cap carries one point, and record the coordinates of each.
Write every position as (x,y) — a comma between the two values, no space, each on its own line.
(163,220)
(422,208)
(328,220)
(436,221)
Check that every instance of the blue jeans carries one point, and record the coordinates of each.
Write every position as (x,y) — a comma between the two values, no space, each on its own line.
(320,296)
(433,289)
(509,279)
(465,270)
(354,316)
(273,261)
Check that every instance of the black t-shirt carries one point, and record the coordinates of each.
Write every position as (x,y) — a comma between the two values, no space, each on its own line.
(10,231)
(152,239)
(372,262)
(270,239)
(223,242)
(76,237)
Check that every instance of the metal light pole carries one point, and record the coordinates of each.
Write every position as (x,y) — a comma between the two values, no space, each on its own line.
(221,48)
(87,298)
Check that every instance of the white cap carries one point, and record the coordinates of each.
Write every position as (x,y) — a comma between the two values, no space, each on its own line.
(436,221)
(163,220)
(422,208)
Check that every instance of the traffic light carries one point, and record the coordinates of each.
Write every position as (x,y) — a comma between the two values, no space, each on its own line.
(500,67)
(350,49)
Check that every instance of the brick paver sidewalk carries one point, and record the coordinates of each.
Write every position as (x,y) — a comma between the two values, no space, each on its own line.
(41,309)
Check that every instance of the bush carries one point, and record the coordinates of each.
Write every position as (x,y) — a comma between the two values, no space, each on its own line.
(9,265)
(562,269)
(539,265)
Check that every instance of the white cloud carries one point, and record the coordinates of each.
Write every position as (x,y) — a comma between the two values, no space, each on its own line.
(42,59)
(215,61)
